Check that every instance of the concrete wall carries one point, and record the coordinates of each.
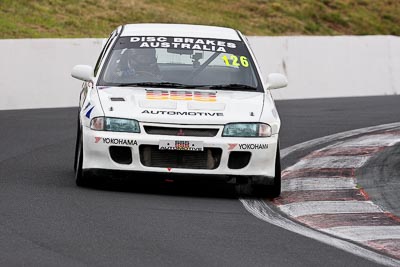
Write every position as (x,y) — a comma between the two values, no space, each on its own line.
(35,73)
(332,66)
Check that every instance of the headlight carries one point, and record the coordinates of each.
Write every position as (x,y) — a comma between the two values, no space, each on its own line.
(114,125)
(247,130)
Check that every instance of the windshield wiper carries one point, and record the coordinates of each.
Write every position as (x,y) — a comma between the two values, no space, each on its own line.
(189,86)
(160,84)
(233,86)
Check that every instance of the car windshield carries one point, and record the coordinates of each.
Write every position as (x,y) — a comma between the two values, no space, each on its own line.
(180,63)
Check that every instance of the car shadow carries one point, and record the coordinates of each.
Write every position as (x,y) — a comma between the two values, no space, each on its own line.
(160,184)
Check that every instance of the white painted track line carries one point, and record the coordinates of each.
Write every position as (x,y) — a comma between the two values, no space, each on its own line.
(309,183)
(335,137)
(263,211)
(365,233)
(372,140)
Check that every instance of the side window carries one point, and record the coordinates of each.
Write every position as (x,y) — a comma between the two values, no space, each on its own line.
(103,52)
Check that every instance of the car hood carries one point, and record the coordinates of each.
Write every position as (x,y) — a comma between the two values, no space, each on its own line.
(181,106)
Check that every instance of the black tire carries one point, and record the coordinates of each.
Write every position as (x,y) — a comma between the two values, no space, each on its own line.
(244,190)
(81,179)
(274,190)
(78,134)
(276,187)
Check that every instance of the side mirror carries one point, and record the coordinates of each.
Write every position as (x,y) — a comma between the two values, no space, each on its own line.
(82,72)
(276,80)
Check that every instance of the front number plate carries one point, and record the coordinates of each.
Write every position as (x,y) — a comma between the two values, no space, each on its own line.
(180,145)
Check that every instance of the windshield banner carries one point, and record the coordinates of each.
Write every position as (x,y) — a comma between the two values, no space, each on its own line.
(203,44)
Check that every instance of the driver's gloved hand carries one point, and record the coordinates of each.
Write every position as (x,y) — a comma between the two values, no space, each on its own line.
(127,72)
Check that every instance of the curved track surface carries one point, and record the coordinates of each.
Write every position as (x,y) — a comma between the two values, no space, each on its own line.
(380,177)
(46,220)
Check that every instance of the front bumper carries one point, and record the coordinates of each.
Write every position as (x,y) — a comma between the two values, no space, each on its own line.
(262,151)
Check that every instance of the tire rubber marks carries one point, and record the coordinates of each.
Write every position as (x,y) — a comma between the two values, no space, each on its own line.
(328,207)
(317,183)
(334,162)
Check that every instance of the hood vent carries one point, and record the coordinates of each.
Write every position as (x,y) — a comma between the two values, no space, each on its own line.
(117,99)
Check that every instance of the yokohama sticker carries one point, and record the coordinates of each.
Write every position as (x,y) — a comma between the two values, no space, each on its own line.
(115,141)
(247,146)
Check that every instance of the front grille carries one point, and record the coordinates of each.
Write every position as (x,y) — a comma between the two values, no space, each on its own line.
(181,131)
(151,156)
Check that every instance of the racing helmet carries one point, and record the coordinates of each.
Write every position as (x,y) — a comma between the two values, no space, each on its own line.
(143,59)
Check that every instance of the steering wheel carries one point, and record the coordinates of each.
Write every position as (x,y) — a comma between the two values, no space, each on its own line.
(146,75)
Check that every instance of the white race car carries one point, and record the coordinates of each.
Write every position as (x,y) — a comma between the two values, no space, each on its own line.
(178,99)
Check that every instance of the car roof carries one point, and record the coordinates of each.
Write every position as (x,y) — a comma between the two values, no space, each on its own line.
(180,30)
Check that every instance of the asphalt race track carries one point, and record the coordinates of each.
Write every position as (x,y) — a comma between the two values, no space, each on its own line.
(45,220)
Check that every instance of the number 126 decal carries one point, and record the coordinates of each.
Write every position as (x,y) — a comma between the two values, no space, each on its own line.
(241,61)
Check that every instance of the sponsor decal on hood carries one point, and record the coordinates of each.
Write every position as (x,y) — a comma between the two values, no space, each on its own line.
(228,107)
(183,113)
(181,95)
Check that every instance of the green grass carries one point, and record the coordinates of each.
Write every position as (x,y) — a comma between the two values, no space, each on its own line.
(97,18)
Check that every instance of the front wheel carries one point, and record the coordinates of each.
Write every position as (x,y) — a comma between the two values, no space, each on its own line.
(81,179)
(78,134)
(276,187)
(274,190)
